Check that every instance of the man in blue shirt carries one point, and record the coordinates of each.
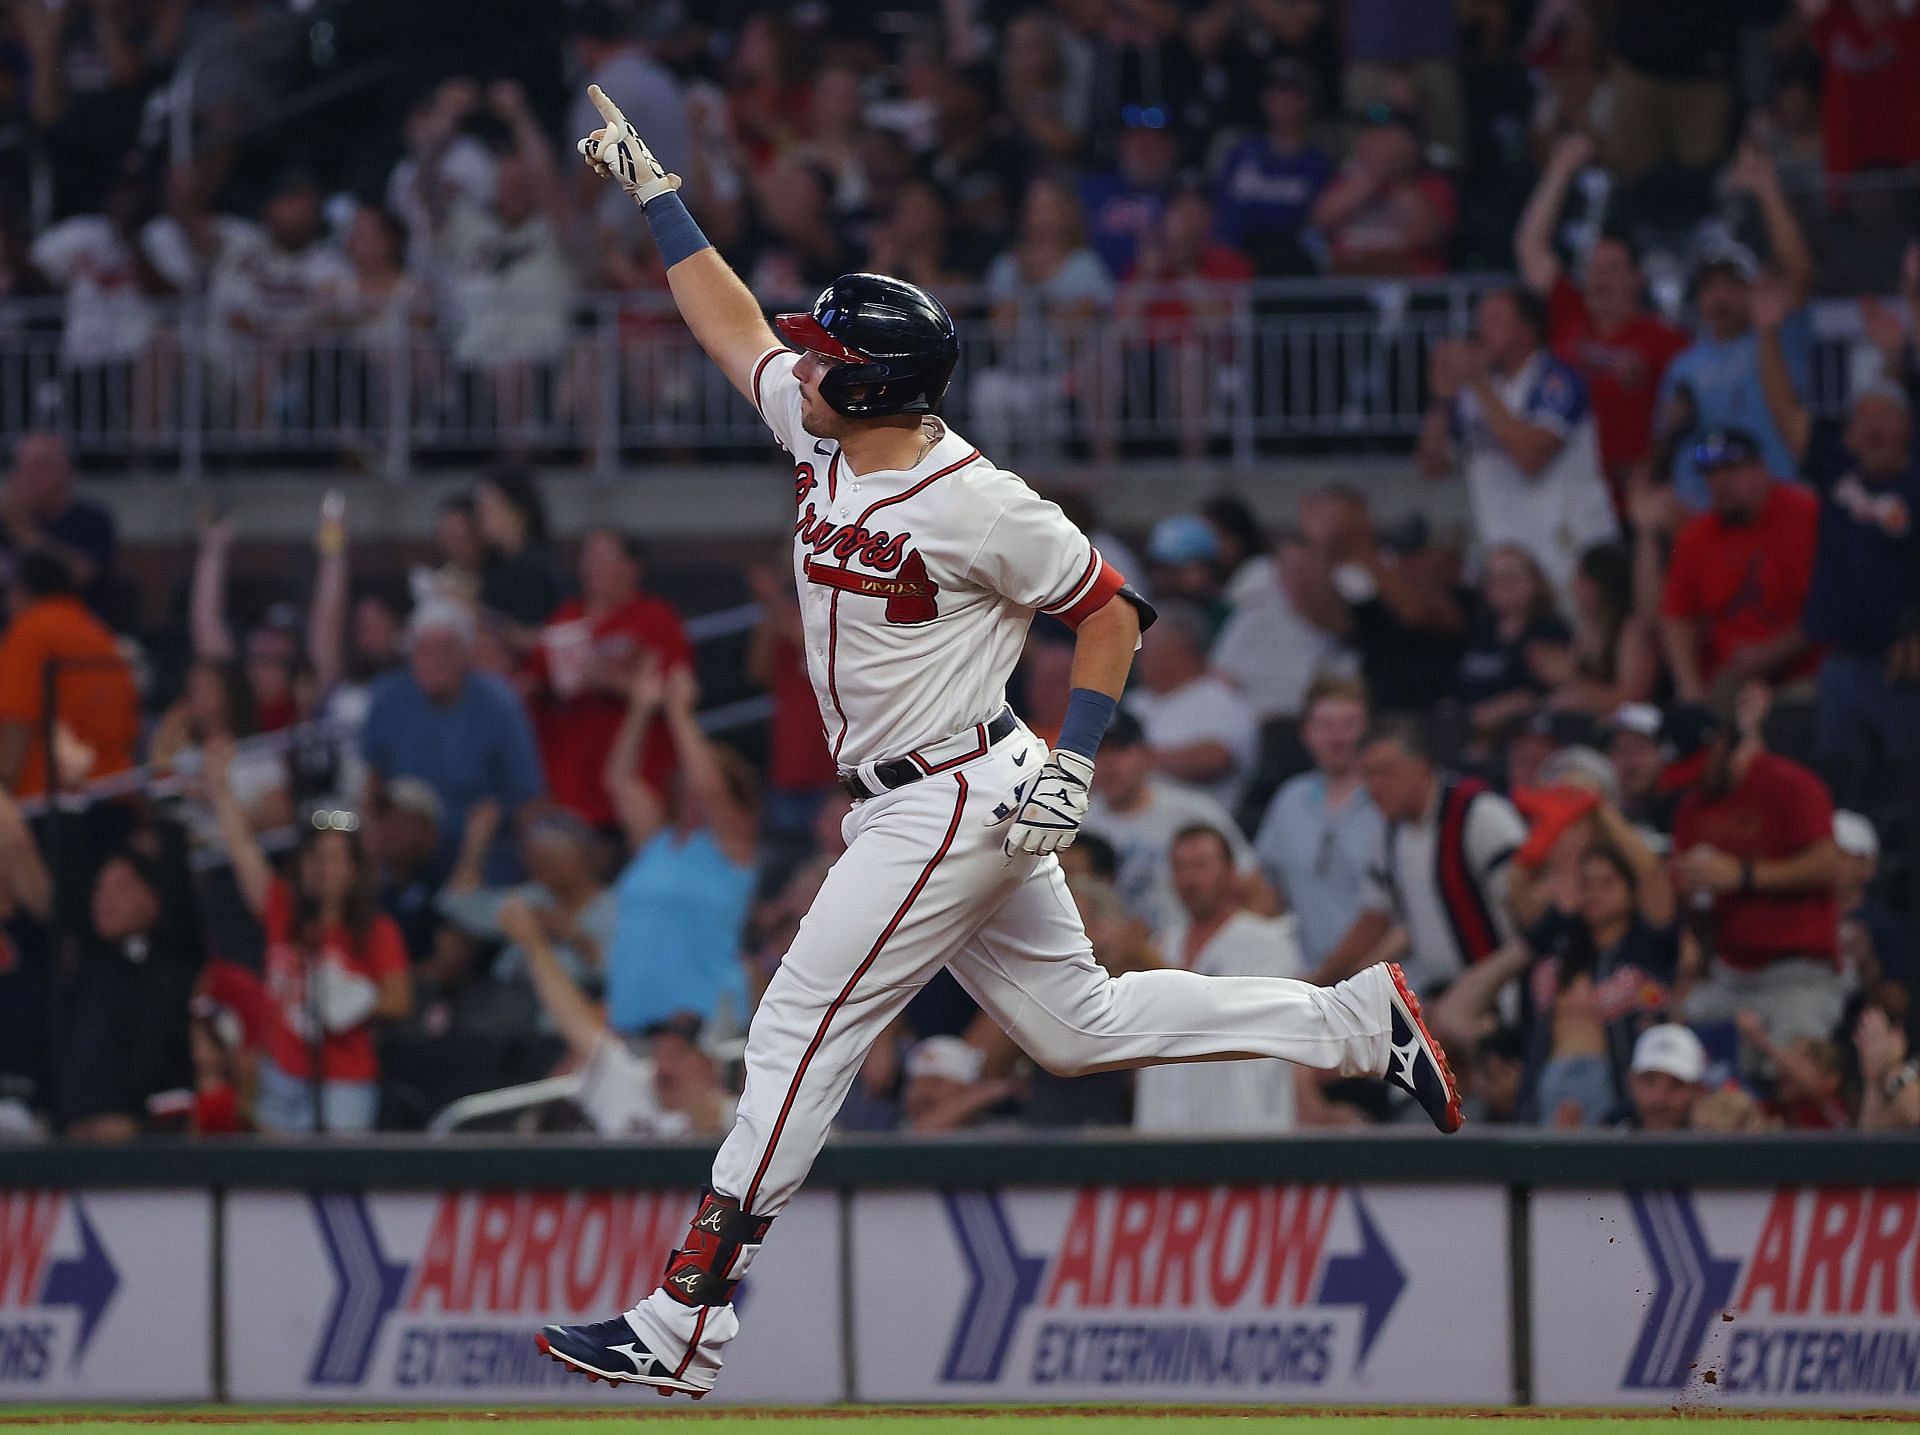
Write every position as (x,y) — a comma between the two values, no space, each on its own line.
(1321,833)
(1124,203)
(465,734)
(1269,181)
(1715,381)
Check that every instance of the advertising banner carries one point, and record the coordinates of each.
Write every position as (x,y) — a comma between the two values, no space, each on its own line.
(1182,1293)
(1799,1296)
(386,1297)
(106,1295)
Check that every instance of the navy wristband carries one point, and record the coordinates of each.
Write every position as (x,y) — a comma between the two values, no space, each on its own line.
(673,228)
(1088,714)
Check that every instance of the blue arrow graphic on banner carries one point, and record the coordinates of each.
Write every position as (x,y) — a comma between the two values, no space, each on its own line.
(86,1282)
(1692,1285)
(1370,1278)
(1004,1283)
(367,1287)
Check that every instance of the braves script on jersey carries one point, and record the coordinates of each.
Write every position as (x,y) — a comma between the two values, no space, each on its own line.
(917,587)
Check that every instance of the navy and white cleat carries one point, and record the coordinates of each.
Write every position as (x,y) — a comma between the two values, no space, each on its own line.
(609,1350)
(1415,1061)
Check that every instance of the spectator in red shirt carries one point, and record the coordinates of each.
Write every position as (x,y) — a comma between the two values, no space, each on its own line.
(1739,575)
(1386,212)
(800,770)
(1601,327)
(581,669)
(1871,53)
(1753,844)
(1180,294)
(335,964)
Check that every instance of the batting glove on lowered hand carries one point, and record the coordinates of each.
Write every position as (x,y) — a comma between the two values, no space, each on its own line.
(616,152)
(1048,809)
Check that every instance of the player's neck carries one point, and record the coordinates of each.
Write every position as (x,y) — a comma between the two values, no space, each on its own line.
(888,445)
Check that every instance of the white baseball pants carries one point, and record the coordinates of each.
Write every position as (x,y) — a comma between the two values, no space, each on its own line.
(925,883)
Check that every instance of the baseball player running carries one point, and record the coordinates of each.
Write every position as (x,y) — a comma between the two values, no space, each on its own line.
(920,566)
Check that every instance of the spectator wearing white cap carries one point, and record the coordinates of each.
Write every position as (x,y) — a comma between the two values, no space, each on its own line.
(1633,750)
(946,1088)
(1715,381)
(1201,731)
(1138,811)
(463,733)
(1666,1077)
(1875,945)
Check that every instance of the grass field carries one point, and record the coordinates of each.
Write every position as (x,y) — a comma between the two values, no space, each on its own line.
(871,1420)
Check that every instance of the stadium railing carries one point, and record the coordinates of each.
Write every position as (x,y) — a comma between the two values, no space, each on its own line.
(1229,372)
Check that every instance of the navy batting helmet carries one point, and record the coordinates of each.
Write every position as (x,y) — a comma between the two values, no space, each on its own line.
(894,341)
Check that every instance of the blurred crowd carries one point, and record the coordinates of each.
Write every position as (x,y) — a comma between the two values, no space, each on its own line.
(1626,772)
(399,844)
(1050,167)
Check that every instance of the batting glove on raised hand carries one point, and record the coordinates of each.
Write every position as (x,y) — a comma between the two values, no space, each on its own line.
(616,152)
(1049,808)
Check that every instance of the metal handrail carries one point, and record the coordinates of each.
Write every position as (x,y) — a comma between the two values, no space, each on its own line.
(1234,370)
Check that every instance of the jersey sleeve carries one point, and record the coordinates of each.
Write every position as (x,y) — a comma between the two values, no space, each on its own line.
(776,395)
(1033,555)
(1557,402)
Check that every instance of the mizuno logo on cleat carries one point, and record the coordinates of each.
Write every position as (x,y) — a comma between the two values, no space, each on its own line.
(1405,1055)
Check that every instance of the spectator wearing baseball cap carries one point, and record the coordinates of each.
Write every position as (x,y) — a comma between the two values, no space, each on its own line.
(1386,212)
(1739,575)
(1754,853)
(1125,202)
(1183,557)
(946,1087)
(1269,181)
(1715,381)
(1666,1077)
(1876,945)
(1864,602)
(1138,810)
(1632,736)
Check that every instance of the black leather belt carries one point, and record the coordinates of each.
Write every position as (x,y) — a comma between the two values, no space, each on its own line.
(899,771)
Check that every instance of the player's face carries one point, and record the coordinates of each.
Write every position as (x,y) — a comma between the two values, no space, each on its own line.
(817,416)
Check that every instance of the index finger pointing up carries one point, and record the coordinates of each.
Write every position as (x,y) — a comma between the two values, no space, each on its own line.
(609,111)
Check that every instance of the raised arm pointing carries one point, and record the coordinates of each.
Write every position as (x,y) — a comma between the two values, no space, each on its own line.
(718,308)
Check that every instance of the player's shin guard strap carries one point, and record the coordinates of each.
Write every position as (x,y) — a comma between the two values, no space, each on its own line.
(698,1273)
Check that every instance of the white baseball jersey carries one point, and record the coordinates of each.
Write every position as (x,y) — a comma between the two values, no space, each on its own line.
(917,587)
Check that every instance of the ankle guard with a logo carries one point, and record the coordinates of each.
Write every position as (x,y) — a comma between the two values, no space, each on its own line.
(720,1243)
